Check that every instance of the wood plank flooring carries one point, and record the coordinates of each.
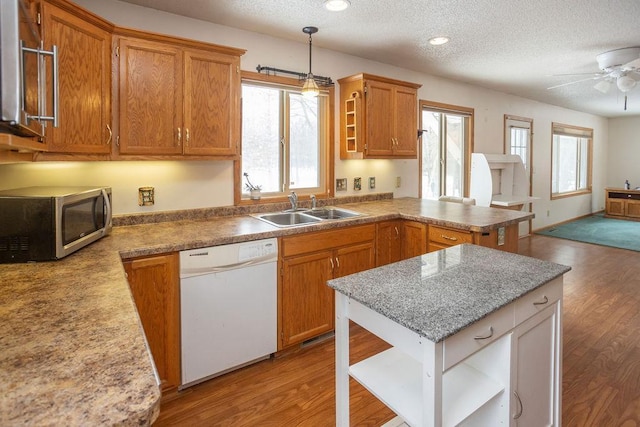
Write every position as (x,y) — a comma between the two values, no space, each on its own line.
(601,371)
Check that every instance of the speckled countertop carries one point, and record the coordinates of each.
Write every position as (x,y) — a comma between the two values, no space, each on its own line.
(441,293)
(72,350)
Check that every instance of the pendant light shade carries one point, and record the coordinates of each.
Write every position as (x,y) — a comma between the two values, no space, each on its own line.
(310,88)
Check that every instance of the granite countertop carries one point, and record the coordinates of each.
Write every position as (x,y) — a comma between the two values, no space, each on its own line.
(72,349)
(438,294)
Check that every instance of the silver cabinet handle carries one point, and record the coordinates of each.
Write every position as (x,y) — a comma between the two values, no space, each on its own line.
(179,135)
(110,134)
(397,232)
(337,262)
(543,302)
(486,336)
(331,261)
(187,138)
(518,414)
(455,239)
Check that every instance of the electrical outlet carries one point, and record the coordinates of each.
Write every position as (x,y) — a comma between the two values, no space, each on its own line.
(501,236)
(357,184)
(341,184)
(372,182)
(146,196)
(398,182)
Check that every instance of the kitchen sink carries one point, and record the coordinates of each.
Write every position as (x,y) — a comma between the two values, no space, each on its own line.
(288,219)
(306,217)
(331,213)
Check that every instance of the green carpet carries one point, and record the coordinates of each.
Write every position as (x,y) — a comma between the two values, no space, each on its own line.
(599,230)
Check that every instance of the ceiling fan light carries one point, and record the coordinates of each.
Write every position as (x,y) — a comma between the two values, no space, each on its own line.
(625,83)
(310,88)
(336,5)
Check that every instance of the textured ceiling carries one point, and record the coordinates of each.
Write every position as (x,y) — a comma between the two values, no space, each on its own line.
(513,46)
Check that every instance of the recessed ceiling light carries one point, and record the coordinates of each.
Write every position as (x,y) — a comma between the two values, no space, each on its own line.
(437,41)
(336,5)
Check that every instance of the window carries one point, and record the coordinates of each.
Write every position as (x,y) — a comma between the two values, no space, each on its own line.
(570,160)
(445,147)
(285,138)
(518,132)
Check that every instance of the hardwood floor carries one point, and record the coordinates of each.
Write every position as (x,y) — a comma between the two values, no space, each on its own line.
(601,360)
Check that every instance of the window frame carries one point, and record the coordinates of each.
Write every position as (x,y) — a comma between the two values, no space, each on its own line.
(469,139)
(327,156)
(577,132)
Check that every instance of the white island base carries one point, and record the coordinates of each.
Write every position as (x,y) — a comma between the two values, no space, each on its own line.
(503,370)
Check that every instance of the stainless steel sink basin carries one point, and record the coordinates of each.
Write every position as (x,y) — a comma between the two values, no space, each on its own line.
(287,219)
(306,217)
(332,213)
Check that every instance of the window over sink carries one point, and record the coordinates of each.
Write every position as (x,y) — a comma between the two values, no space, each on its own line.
(286,138)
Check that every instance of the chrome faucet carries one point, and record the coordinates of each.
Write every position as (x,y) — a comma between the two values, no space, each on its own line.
(293,198)
(313,201)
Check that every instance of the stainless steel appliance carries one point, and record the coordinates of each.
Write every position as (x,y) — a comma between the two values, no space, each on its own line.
(228,300)
(23,79)
(47,223)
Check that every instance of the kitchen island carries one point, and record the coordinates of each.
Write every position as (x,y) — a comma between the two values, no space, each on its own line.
(476,336)
(72,349)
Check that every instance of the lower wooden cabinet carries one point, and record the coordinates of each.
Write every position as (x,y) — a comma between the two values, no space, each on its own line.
(154,283)
(306,303)
(623,204)
(399,239)
(414,239)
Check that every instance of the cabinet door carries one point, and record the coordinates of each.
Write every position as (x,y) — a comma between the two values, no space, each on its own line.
(379,119)
(84,70)
(306,300)
(632,208)
(353,259)
(414,239)
(388,242)
(406,122)
(211,104)
(150,97)
(536,385)
(154,283)
(615,207)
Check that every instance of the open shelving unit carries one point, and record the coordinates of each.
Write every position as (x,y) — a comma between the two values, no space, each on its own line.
(499,180)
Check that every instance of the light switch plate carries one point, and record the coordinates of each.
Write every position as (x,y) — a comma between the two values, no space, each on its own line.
(357,184)
(341,184)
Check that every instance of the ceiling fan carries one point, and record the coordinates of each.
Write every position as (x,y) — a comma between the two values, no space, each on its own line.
(619,66)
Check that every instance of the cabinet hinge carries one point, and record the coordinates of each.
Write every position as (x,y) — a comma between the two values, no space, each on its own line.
(118,140)
(117,51)
(237,69)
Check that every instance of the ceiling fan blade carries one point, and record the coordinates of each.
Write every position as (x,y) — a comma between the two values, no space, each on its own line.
(574,82)
(633,65)
(603,86)
(594,73)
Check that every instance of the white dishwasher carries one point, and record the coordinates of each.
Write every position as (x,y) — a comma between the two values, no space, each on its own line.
(228,300)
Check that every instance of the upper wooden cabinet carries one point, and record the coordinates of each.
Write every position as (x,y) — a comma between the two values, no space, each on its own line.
(378,117)
(84,70)
(177,100)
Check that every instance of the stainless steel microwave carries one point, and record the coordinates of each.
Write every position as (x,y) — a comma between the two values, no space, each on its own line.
(23,79)
(48,223)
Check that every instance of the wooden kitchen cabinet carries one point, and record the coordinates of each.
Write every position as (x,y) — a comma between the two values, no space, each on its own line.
(154,283)
(177,98)
(503,238)
(384,123)
(399,239)
(84,70)
(306,303)
(622,204)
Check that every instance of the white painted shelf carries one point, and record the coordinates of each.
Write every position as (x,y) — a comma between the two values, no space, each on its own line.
(396,379)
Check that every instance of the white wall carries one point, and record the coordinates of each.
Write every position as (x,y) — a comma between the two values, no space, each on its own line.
(624,151)
(183,185)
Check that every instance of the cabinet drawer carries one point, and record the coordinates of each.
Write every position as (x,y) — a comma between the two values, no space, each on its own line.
(537,300)
(325,240)
(468,341)
(449,236)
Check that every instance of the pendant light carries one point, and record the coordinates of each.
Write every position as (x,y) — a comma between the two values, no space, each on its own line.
(310,88)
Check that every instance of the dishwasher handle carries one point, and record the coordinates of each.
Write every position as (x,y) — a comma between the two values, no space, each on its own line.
(199,271)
